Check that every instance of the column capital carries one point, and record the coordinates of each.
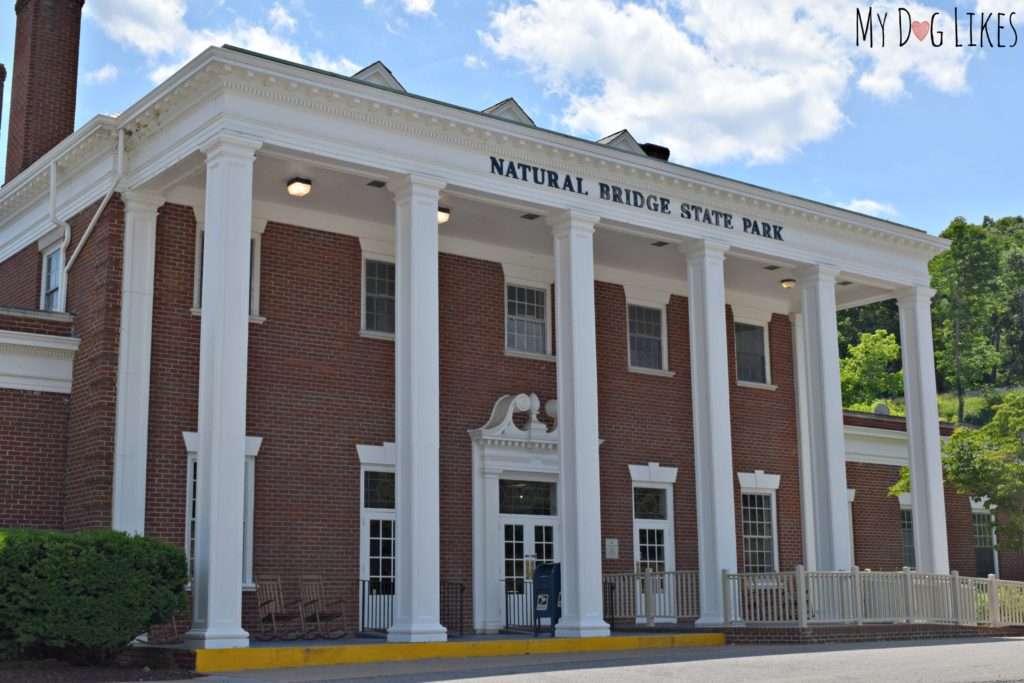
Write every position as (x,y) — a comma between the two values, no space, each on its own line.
(696,251)
(410,184)
(230,144)
(141,201)
(913,294)
(815,274)
(570,220)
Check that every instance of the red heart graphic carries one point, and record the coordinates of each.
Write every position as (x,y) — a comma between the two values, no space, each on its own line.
(920,29)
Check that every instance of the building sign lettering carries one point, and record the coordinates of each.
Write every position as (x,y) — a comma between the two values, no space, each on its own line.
(515,170)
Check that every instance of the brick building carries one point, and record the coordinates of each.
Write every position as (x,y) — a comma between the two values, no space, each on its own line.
(300,323)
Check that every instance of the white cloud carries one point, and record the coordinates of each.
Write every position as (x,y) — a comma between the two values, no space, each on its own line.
(104,74)
(870,207)
(474,62)
(158,29)
(281,20)
(345,67)
(418,6)
(714,80)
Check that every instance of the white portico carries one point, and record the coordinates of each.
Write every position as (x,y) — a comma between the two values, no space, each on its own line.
(225,133)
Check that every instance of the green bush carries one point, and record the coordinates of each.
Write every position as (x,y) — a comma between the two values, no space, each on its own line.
(84,596)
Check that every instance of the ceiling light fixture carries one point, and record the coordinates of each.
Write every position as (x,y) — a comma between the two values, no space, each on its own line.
(443,214)
(299,187)
(788,283)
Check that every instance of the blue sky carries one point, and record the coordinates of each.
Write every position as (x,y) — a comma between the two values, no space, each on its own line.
(776,94)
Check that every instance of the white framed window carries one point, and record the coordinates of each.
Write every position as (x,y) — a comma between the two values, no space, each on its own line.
(907,537)
(986,557)
(647,331)
(255,252)
(51,290)
(379,297)
(759,525)
(753,356)
(527,318)
(252,447)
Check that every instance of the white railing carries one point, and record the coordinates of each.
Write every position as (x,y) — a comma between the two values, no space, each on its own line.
(805,598)
(652,596)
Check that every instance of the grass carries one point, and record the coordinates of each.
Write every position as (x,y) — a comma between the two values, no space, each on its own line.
(978,408)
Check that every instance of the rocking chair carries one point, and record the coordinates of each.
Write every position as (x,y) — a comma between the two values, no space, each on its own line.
(278,619)
(329,616)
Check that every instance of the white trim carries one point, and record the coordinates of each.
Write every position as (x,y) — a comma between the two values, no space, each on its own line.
(874,446)
(904,499)
(758,482)
(37,362)
(512,277)
(48,239)
(58,302)
(649,304)
(252,449)
(379,458)
(653,473)
(762,319)
(642,296)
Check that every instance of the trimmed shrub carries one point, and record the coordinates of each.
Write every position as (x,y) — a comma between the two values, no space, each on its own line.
(84,596)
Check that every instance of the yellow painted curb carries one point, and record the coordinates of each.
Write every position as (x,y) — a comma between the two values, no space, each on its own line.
(213,661)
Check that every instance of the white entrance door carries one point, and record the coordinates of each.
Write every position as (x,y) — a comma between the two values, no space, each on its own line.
(653,551)
(528,541)
(377,552)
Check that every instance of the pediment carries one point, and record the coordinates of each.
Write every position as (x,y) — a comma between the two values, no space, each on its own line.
(510,109)
(378,74)
(623,140)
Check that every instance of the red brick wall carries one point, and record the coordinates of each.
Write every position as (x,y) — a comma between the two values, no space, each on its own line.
(20,278)
(44,79)
(94,296)
(764,437)
(13,322)
(33,442)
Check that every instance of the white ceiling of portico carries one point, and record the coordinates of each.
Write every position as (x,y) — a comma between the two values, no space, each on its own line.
(343,191)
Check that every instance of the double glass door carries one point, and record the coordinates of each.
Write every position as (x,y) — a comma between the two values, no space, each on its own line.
(526,543)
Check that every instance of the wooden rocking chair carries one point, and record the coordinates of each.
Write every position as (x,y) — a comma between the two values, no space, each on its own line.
(278,619)
(329,616)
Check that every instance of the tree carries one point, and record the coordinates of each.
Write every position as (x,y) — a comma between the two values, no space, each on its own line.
(867,373)
(853,322)
(966,278)
(988,464)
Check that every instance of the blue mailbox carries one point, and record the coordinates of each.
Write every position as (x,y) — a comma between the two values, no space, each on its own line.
(547,595)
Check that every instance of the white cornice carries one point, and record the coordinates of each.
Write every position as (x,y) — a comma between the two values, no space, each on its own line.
(36,362)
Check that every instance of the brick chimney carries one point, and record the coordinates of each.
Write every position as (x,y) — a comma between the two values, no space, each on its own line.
(44,79)
(3,79)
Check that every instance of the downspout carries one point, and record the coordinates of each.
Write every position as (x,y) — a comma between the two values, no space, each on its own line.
(103,205)
(62,224)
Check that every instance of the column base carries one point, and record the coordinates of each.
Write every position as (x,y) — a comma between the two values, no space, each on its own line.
(711,620)
(581,628)
(216,639)
(417,633)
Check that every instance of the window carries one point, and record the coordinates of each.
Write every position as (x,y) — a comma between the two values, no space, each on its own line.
(907,537)
(650,503)
(751,353)
(254,274)
(50,291)
(379,297)
(191,495)
(984,544)
(646,337)
(379,490)
(526,497)
(526,319)
(759,547)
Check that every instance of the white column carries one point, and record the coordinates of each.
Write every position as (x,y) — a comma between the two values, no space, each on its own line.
(579,483)
(132,421)
(223,367)
(831,514)
(417,413)
(712,427)
(927,497)
(804,450)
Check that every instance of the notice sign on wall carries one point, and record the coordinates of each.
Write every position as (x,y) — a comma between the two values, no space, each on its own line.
(526,173)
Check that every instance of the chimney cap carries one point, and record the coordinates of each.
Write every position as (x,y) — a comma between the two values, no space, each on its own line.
(656,151)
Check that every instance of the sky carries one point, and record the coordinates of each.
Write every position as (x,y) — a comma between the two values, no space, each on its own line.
(779,94)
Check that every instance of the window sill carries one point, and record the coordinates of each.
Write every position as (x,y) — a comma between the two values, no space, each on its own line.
(370,334)
(652,371)
(256,319)
(530,356)
(756,385)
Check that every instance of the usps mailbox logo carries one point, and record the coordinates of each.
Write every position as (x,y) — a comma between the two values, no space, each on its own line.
(542,602)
